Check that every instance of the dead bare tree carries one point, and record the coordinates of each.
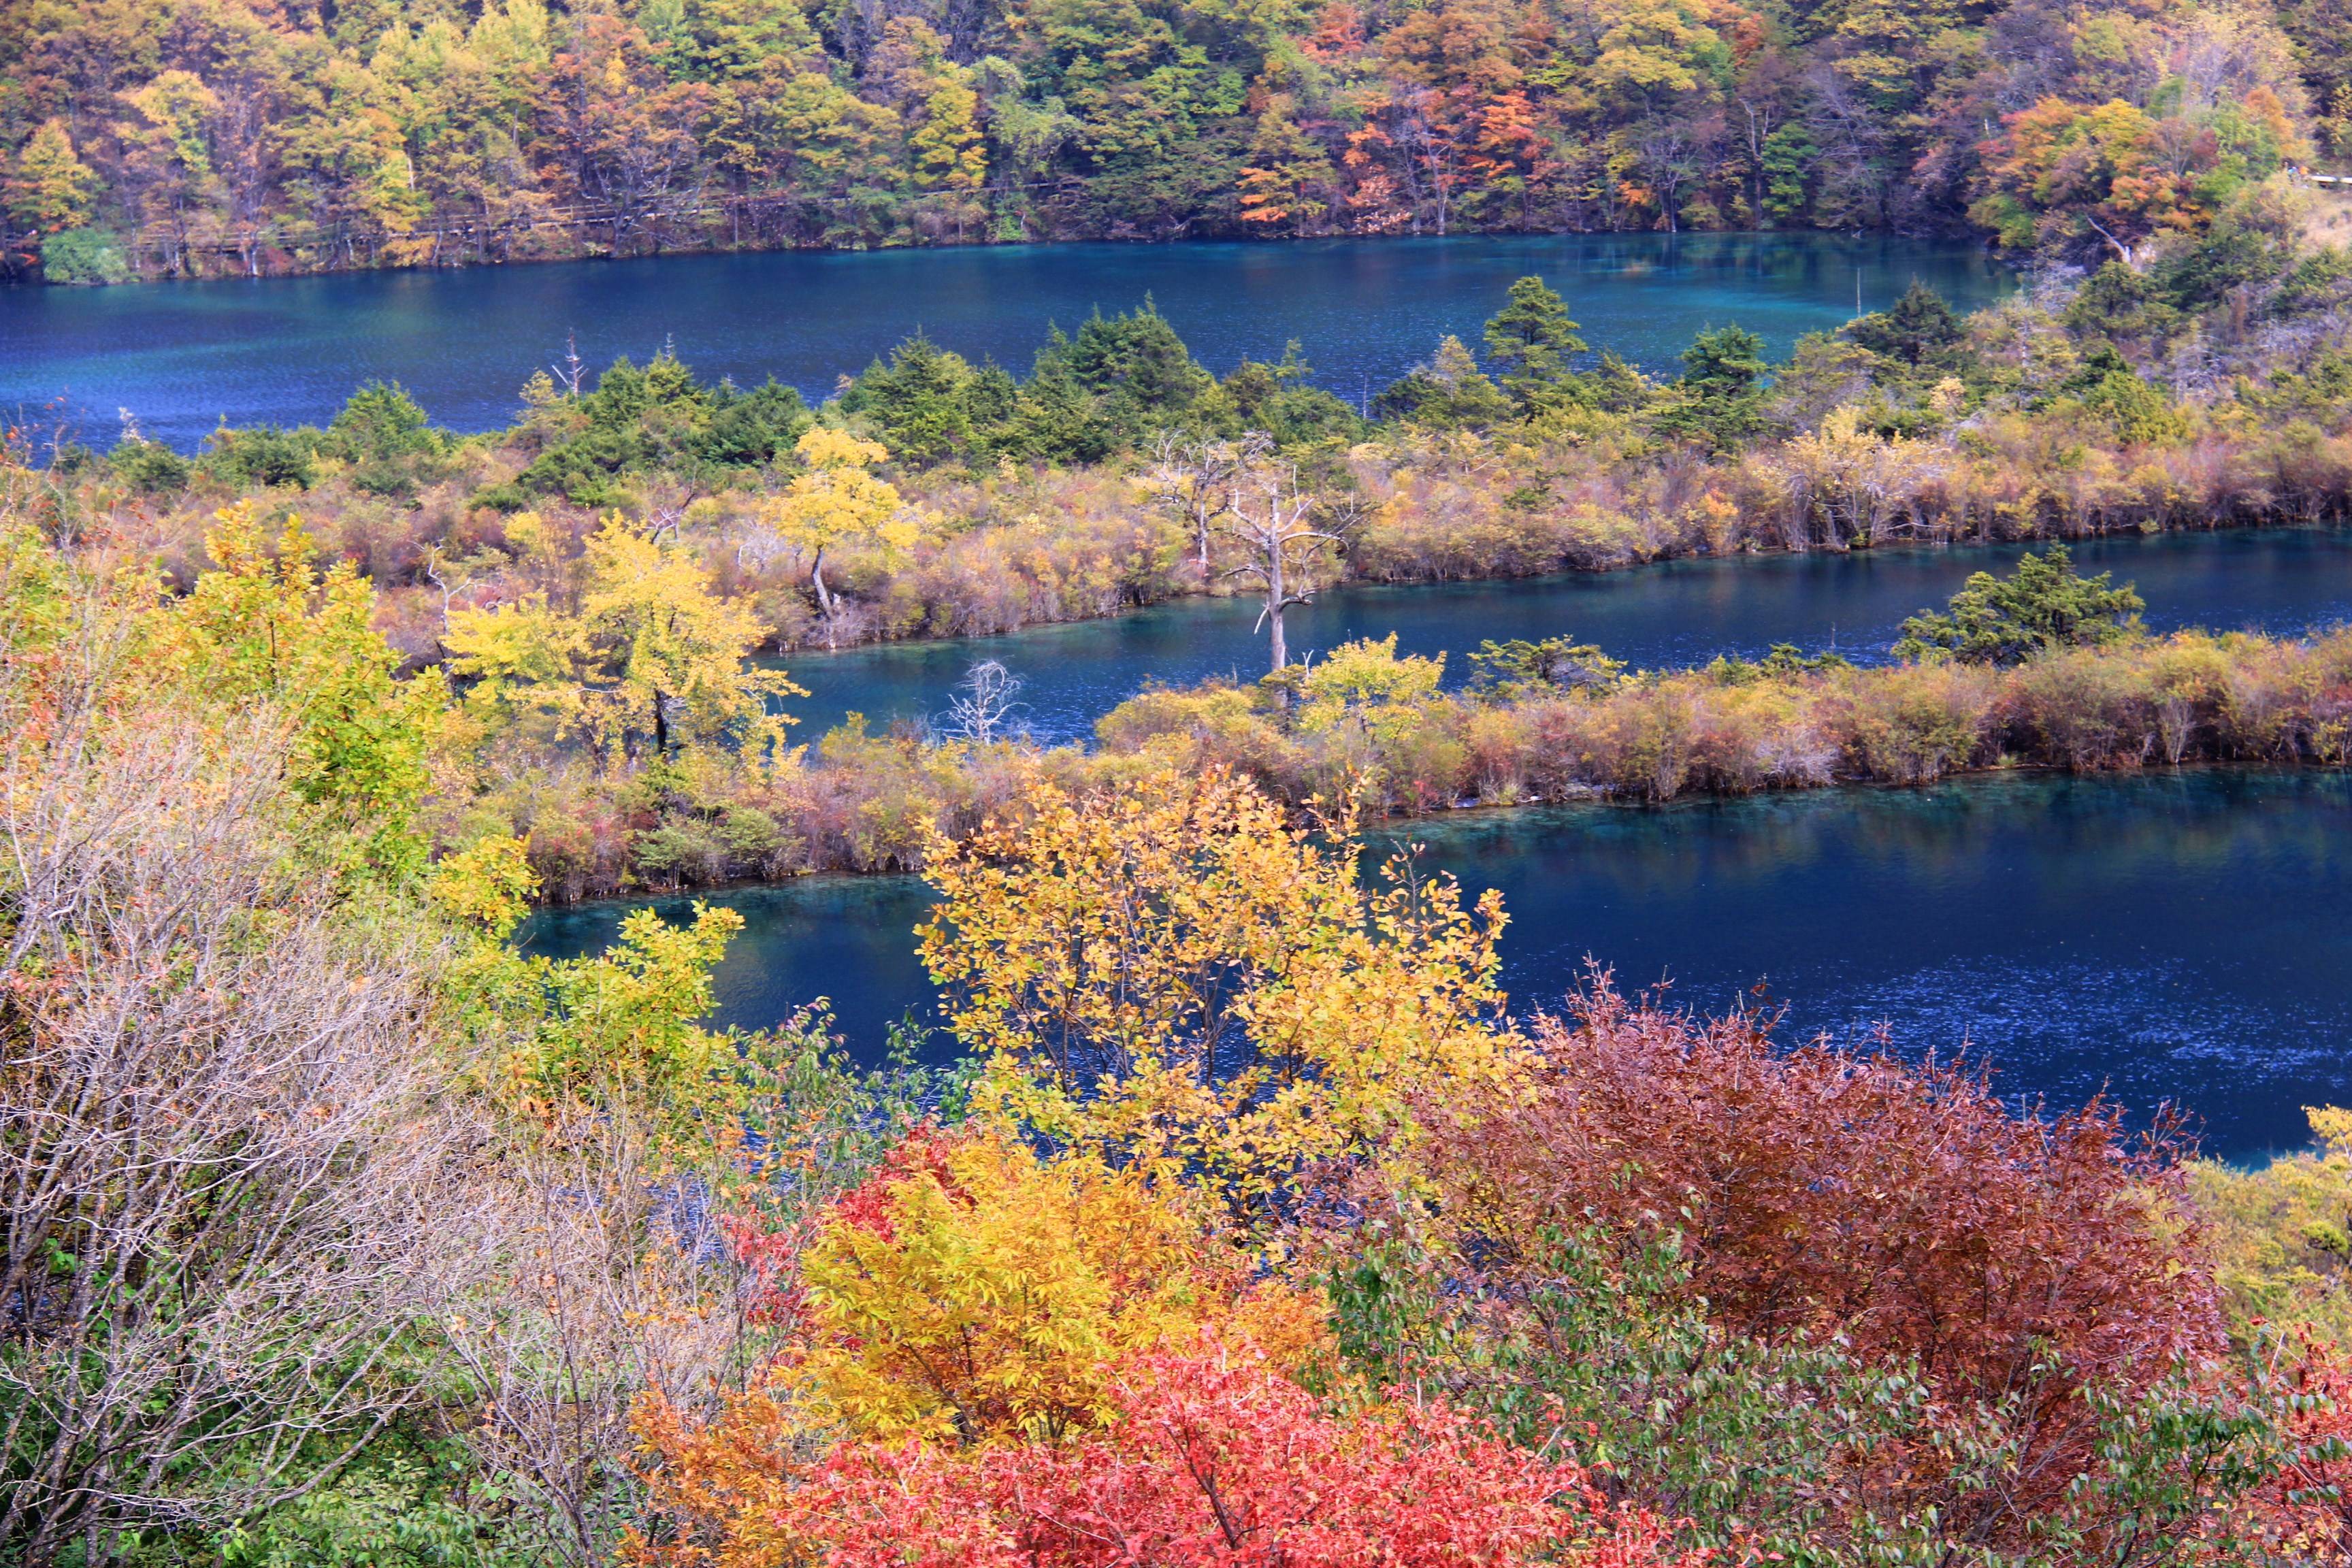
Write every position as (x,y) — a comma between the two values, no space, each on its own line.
(433,575)
(569,374)
(989,695)
(1194,479)
(1282,533)
(228,1204)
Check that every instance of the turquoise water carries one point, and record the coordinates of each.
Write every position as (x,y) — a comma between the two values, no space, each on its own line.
(1682,612)
(2183,937)
(181,356)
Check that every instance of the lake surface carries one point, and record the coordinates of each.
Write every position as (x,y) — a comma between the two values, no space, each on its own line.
(1679,612)
(2169,936)
(181,356)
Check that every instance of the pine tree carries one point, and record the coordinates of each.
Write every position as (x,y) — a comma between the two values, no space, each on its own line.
(1529,340)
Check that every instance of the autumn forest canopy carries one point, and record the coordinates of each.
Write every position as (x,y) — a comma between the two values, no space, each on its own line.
(209,137)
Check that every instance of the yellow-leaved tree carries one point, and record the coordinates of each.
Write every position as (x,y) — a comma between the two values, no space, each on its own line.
(1178,978)
(2281,1235)
(652,656)
(970,1290)
(1365,688)
(836,501)
(270,626)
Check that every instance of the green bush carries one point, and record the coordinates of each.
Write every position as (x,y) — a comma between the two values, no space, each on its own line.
(150,466)
(2044,605)
(85,256)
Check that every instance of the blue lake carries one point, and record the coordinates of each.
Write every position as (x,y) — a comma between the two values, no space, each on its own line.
(2183,937)
(2169,936)
(181,356)
(1680,613)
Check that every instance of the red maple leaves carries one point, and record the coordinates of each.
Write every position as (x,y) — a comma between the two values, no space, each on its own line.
(1212,1458)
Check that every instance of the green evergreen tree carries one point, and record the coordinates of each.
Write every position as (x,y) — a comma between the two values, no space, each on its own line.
(2044,605)
(1720,397)
(1915,328)
(1530,339)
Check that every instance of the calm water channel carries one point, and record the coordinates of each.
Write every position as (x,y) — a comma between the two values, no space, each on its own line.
(2179,936)
(181,356)
(2184,937)
(1678,614)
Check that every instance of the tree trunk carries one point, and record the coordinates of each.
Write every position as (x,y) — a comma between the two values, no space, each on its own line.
(1274,596)
(824,599)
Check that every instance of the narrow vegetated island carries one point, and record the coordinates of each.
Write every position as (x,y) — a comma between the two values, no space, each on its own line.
(932,497)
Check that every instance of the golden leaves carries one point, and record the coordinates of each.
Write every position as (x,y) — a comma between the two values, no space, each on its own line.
(1177,977)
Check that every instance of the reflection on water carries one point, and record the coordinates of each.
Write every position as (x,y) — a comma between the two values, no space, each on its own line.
(181,355)
(2171,936)
(1681,613)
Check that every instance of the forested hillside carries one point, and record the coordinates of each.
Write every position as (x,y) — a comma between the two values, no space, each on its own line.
(206,137)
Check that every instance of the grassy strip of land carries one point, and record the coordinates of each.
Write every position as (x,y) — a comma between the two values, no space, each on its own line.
(1367,726)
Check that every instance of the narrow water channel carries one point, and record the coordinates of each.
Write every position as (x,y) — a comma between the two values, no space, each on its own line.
(181,356)
(2182,937)
(1679,612)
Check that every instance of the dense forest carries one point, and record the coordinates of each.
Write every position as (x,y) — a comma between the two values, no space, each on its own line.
(203,137)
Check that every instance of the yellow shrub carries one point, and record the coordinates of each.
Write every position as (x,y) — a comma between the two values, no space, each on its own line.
(1914,724)
(986,1294)
(2282,1235)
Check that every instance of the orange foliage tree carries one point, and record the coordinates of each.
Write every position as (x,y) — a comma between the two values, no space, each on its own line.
(969,1291)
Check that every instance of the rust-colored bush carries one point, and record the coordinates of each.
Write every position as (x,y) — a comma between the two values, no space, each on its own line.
(1901,1208)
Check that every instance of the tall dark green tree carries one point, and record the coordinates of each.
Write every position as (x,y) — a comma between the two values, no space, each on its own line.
(1915,328)
(1110,384)
(2044,605)
(1529,340)
(1720,398)
(929,405)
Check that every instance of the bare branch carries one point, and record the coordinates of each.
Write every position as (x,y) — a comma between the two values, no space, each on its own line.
(1269,517)
(229,1185)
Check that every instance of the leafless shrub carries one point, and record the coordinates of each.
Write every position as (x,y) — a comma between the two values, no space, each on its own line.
(615,1283)
(224,1170)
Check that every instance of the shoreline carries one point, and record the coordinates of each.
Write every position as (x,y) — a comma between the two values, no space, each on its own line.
(1368,725)
(1399,825)
(804,650)
(36,280)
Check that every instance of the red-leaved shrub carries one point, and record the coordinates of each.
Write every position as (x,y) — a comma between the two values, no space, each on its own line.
(1212,1460)
(2304,1511)
(1902,1207)
(2019,1259)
